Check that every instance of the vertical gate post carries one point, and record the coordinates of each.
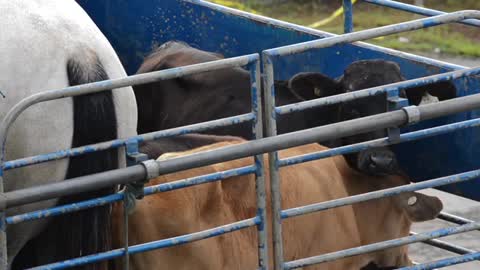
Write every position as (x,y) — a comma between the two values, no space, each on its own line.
(270,118)
(348,14)
(3,225)
(257,129)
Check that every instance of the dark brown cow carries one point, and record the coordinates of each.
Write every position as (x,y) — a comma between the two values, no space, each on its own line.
(217,94)
(189,210)
(206,96)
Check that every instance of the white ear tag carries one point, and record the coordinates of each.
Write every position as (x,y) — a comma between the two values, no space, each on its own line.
(412,201)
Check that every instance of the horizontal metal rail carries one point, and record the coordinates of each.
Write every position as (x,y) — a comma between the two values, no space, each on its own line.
(447,246)
(116,83)
(170,242)
(150,190)
(411,136)
(310,104)
(228,121)
(405,137)
(272,110)
(381,246)
(238,119)
(251,61)
(445,262)
(452,179)
(164,166)
(337,130)
(454,219)
(373,33)
(417,10)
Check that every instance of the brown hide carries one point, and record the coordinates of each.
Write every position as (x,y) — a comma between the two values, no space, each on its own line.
(206,206)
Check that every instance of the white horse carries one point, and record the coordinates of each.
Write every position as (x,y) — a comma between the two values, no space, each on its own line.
(52,44)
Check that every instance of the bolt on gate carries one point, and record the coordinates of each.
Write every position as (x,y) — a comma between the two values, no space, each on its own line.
(399,116)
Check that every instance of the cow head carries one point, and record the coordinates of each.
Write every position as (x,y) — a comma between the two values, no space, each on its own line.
(357,76)
(194,98)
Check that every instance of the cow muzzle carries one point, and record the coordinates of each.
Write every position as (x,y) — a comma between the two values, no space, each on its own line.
(377,161)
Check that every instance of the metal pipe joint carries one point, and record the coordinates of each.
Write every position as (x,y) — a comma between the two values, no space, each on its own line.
(413,114)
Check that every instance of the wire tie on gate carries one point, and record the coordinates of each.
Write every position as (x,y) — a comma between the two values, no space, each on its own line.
(134,191)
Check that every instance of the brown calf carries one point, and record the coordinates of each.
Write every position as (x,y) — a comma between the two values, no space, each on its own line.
(197,208)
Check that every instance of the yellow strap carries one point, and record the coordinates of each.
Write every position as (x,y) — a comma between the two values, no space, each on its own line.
(332,17)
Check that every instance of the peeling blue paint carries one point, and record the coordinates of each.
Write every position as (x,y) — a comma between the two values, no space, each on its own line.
(170,242)
(348,11)
(406,137)
(204,17)
(119,143)
(381,246)
(150,190)
(394,87)
(458,178)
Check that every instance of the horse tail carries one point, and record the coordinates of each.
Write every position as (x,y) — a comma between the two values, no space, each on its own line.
(89,231)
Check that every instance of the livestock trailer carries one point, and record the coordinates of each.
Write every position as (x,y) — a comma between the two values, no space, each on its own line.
(273,49)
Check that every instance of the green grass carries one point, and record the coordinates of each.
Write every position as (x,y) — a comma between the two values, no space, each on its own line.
(452,39)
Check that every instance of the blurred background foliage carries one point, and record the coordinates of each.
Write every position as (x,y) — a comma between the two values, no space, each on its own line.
(454,39)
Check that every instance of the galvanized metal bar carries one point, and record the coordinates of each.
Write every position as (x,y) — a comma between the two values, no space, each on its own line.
(452,179)
(348,16)
(406,137)
(113,84)
(381,246)
(445,262)
(417,10)
(323,133)
(241,118)
(69,208)
(170,242)
(275,194)
(448,76)
(454,219)
(374,32)
(260,189)
(447,246)
(22,162)
(3,228)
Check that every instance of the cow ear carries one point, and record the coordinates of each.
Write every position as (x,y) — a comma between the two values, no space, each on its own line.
(441,90)
(311,85)
(419,207)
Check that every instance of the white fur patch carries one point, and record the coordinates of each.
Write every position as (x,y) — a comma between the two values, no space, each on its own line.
(428,99)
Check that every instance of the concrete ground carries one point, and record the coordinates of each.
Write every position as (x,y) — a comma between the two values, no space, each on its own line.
(454,205)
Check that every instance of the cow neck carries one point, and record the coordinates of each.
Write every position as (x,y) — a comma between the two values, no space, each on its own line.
(387,220)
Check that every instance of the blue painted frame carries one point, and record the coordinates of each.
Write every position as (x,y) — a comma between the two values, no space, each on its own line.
(134,27)
(259,219)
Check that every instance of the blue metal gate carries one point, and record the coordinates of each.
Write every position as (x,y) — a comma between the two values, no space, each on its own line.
(270,58)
